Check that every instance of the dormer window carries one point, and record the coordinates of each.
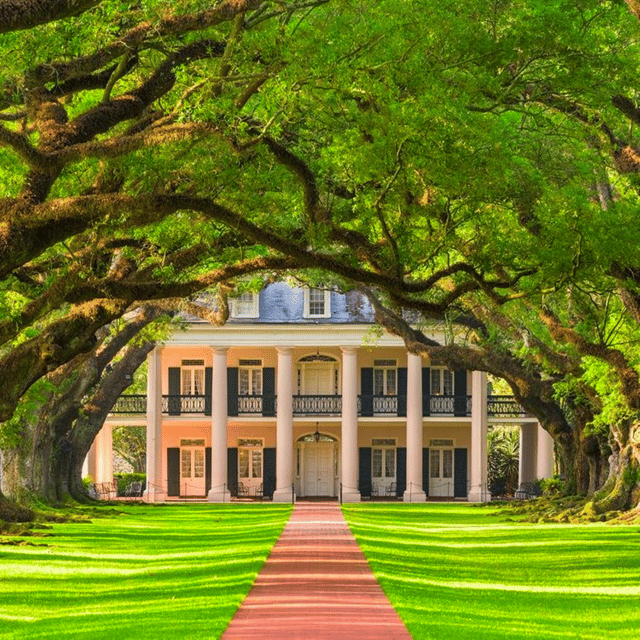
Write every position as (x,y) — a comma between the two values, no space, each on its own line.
(317,303)
(245,306)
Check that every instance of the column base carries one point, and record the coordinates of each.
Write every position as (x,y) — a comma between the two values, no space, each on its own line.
(351,496)
(414,495)
(479,496)
(216,495)
(154,495)
(284,495)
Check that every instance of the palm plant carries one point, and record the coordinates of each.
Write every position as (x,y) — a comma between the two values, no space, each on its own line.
(503,459)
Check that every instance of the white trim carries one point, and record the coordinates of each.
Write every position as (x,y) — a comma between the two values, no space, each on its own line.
(327,304)
(285,335)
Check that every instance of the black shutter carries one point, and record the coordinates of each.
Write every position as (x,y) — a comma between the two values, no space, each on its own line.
(401,470)
(460,473)
(269,472)
(207,470)
(425,470)
(426,391)
(174,391)
(232,391)
(208,377)
(402,391)
(232,470)
(268,392)
(460,392)
(364,479)
(366,394)
(173,471)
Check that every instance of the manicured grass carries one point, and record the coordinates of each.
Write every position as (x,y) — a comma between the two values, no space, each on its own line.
(459,571)
(176,571)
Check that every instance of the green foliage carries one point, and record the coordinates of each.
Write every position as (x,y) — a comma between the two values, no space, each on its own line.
(125,479)
(503,460)
(552,486)
(130,442)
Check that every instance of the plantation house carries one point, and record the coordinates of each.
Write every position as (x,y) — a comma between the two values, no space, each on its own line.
(300,394)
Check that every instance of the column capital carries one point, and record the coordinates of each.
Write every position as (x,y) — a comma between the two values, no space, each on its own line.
(219,350)
(284,350)
(349,350)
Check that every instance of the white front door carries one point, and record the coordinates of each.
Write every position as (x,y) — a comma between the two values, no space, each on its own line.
(192,471)
(441,473)
(318,469)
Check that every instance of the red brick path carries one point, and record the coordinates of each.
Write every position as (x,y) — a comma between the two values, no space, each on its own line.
(316,584)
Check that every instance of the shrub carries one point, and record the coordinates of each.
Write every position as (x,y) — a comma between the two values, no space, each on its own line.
(551,486)
(125,479)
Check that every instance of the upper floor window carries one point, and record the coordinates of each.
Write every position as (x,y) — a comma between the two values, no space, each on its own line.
(245,306)
(250,378)
(317,303)
(192,378)
(384,378)
(441,381)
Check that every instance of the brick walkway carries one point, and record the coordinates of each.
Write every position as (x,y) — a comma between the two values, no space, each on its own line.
(316,584)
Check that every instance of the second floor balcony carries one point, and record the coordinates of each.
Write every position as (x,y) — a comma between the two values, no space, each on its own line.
(321,405)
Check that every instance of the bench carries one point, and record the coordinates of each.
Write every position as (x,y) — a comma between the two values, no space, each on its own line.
(528,490)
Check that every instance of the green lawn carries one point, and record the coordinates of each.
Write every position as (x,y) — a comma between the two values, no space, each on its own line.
(176,571)
(458,571)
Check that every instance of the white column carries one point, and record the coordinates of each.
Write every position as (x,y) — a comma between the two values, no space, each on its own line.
(89,466)
(219,491)
(85,468)
(104,454)
(284,427)
(478,491)
(414,491)
(545,454)
(155,491)
(350,492)
(528,445)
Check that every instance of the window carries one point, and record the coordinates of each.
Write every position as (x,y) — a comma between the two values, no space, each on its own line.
(441,381)
(317,303)
(250,463)
(384,378)
(441,463)
(250,378)
(245,306)
(250,458)
(383,458)
(192,378)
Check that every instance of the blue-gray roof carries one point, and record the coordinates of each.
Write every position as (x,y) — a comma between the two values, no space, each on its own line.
(281,303)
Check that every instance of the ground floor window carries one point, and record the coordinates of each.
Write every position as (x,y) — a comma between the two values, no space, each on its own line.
(441,468)
(383,464)
(250,463)
(192,467)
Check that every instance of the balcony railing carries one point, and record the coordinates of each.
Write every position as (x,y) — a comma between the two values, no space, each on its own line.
(250,404)
(176,405)
(384,404)
(130,405)
(317,405)
(448,405)
(504,407)
(497,406)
